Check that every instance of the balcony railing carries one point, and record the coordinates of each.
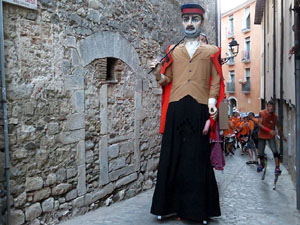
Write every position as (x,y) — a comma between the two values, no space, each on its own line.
(246,56)
(246,87)
(231,61)
(230,87)
(230,34)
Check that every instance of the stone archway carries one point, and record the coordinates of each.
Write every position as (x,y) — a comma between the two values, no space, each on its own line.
(111,45)
(108,44)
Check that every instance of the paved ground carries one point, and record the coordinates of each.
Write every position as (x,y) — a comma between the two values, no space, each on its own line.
(245,199)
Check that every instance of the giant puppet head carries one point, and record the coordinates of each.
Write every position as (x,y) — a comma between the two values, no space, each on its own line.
(192,19)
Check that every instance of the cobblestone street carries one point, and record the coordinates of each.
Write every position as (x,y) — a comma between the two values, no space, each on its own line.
(245,199)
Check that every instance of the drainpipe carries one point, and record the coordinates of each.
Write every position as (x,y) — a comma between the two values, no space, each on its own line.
(297,93)
(217,10)
(280,111)
(4,105)
(263,104)
(274,51)
(297,85)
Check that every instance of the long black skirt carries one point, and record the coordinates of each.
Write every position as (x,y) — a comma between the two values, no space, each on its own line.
(186,183)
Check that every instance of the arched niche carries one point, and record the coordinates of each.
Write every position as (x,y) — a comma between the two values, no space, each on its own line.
(108,45)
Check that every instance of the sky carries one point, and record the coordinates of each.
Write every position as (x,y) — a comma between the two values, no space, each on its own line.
(230,4)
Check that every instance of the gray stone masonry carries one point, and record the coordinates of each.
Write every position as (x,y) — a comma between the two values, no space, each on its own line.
(83,111)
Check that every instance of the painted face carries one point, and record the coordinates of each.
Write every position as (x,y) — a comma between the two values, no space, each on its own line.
(191,25)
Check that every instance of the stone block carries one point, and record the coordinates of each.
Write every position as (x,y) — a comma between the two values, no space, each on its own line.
(78,202)
(95,4)
(75,58)
(89,145)
(126,180)
(61,189)
(81,185)
(77,99)
(113,151)
(127,147)
(41,194)
(33,183)
(17,217)
(148,185)
(48,205)
(119,139)
(145,85)
(72,136)
(20,200)
(61,175)
(51,179)
(64,206)
(157,91)
(114,175)
(117,163)
(53,128)
(75,122)
(71,195)
(71,172)
(89,157)
(103,160)
(73,82)
(103,109)
(33,211)
(140,114)
(108,189)
(139,85)
(20,154)
(93,15)
(80,155)
(138,100)
(71,42)
(29,109)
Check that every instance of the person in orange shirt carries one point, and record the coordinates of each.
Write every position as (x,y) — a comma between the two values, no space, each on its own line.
(229,137)
(236,120)
(268,121)
(253,141)
(244,130)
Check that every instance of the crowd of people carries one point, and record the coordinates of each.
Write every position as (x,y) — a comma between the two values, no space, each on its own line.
(251,132)
(242,133)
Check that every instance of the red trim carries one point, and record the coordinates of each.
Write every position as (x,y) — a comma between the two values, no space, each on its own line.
(192,11)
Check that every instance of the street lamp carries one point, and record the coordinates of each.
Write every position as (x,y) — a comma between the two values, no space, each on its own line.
(233,51)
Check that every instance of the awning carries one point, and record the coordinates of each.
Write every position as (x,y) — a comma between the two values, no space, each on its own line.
(259,11)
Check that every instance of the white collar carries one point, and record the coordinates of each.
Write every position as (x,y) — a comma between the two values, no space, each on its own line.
(191,47)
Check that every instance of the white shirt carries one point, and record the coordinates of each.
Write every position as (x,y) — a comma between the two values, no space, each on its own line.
(191,47)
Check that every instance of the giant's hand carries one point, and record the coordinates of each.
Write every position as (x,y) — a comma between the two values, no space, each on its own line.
(212,109)
(155,65)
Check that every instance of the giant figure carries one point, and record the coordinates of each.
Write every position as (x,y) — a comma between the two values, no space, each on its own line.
(186,184)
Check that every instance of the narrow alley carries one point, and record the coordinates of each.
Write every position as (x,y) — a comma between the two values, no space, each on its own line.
(245,199)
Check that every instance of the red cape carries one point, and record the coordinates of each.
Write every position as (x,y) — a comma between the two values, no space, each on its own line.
(167,91)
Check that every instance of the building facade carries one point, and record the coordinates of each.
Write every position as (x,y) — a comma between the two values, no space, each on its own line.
(83,112)
(242,73)
(278,69)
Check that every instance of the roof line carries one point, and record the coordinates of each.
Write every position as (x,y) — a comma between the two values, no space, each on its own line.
(241,6)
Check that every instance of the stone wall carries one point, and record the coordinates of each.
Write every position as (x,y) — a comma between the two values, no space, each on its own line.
(83,113)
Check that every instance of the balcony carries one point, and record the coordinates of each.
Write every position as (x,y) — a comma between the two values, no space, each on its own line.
(246,87)
(230,87)
(246,28)
(230,34)
(246,56)
(231,61)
